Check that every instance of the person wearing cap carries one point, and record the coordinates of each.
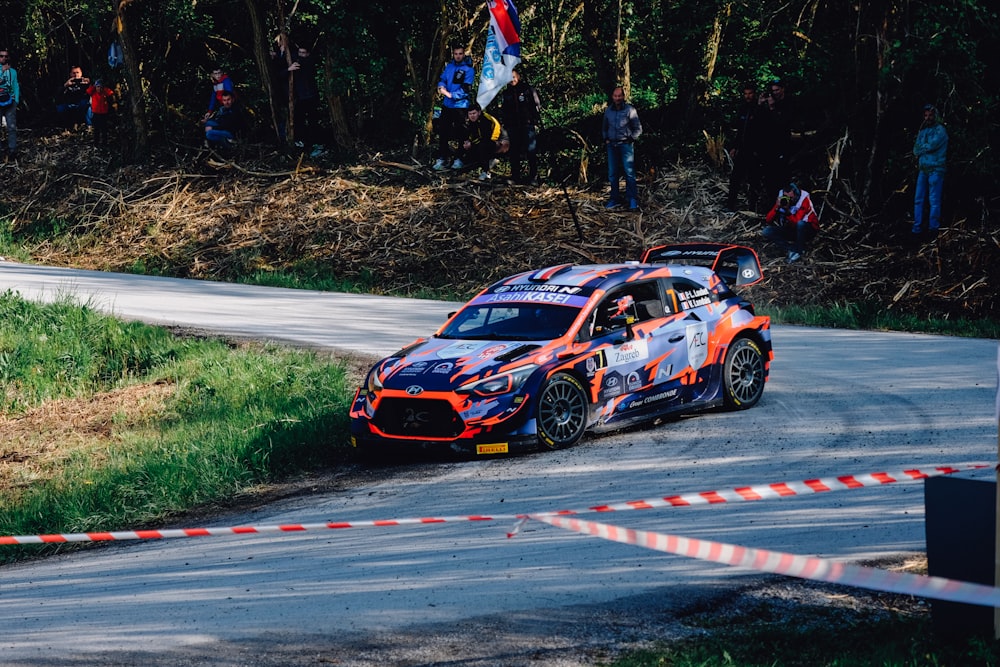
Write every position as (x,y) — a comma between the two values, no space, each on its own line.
(931,151)
(101,99)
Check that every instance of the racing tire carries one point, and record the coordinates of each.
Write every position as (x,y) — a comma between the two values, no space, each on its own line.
(743,374)
(562,412)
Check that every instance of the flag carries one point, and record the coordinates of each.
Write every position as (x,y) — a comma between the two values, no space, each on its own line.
(503,50)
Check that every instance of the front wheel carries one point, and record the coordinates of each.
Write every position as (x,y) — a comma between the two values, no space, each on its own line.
(562,411)
(743,374)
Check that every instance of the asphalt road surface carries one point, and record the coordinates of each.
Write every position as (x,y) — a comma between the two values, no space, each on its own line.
(460,592)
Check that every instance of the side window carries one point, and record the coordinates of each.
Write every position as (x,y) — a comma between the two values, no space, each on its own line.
(640,301)
(687,294)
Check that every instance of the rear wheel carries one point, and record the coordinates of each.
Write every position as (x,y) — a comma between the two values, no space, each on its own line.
(743,374)
(562,411)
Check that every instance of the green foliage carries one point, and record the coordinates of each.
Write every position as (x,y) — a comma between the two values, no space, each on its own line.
(860,71)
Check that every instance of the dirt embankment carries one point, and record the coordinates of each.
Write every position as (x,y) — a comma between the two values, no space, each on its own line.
(399,227)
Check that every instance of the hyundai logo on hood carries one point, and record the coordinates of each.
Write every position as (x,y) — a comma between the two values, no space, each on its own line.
(414,390)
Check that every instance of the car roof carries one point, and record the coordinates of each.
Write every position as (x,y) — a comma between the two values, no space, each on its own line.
(605,276)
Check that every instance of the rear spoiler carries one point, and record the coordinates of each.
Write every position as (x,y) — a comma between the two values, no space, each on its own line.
(737,265)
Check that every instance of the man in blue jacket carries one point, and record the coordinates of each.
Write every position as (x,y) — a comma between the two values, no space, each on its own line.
(931,150)
(455,85)
(621,127)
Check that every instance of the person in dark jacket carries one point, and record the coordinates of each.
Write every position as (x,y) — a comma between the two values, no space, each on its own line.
(73,106)
(226,122)
(521,112)
(484,139)
(745,150)
(620,129)
(455,86)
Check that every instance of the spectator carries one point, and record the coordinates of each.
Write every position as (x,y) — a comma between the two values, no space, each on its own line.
(226,123)
(220,83)
(931,150)
(792,222)
(307,116)
(73,108)
(522,117)
(455,85)
(484,139)
(745,150)
(620,129)
(776,139)
(10,97)
(101,106)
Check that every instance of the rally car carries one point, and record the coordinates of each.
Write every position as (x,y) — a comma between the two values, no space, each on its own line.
(537,359)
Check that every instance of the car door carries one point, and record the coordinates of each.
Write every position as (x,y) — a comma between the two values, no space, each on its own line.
(687,336)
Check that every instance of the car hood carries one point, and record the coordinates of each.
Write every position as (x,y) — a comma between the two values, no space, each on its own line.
(444,364)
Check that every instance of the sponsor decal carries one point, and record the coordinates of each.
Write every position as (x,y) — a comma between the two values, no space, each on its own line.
(654,398)
(633,381)
(612,385)
(493,350)
(478,410)
(561,289)
(595,363)
(628,352)
(664,372)
(532,297)
(697,344)
(416,368)
(494,448)
(457,350)
(444,368)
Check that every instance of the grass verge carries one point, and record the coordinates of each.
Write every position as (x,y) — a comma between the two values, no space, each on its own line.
(111,425)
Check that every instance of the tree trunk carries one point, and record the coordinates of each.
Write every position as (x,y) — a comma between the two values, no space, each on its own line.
(139,145)
(342,134)
(595,14)
(261,52)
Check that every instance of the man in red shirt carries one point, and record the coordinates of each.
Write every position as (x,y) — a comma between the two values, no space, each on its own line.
(792,221)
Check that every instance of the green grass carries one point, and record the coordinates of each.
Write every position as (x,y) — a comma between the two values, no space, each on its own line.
(234,417)
(870,316)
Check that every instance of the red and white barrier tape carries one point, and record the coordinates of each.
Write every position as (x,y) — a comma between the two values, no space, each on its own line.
(738,494)
(236,530)
(803,567)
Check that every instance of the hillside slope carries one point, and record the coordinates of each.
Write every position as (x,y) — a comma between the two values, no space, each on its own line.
(398,227)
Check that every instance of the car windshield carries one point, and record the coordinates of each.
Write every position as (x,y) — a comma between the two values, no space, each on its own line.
(511,322)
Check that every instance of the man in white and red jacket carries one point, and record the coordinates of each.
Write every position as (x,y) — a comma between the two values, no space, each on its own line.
(792,221)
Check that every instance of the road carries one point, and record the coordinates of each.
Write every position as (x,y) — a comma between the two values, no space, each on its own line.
(839,402)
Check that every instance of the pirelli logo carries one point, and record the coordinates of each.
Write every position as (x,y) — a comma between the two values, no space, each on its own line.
(495,448)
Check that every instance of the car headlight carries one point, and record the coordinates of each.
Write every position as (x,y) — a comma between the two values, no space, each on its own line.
(504,383)
(373,382)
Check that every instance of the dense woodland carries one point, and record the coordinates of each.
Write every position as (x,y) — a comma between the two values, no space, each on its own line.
(859,72)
